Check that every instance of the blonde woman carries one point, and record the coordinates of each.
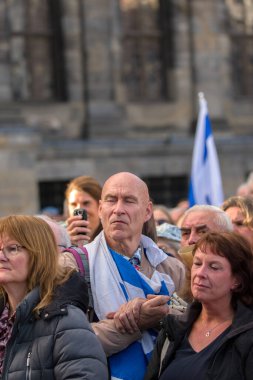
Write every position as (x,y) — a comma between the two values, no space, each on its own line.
(44,331)
(240,211)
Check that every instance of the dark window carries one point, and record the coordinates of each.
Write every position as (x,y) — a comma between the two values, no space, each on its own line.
(167,190)
(242,55)
(147,48)
(241,29)
(36,50)
(51,193)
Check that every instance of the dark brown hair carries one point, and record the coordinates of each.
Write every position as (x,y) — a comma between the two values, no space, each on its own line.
(90,186)
(149,229)
(87,184)
(236,249)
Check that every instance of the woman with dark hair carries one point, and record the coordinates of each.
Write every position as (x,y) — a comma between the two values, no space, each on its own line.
(83,192)
(214,338)
(44,333)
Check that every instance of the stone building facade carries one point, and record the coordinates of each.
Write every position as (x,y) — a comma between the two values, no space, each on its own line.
(98,86)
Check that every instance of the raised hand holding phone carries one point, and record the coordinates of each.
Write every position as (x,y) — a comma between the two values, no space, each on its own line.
(77,226)
(82,212)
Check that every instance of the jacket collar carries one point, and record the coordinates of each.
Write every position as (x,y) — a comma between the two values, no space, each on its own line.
(73,291)
(243,320)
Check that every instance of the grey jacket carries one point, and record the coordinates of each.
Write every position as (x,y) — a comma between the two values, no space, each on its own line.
(60,344)
(233,359)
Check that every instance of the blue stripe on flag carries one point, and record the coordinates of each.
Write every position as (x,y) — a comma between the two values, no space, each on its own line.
(130,275)
(205,184)
(129,364)
(191,195)
(124,291)
(208,132)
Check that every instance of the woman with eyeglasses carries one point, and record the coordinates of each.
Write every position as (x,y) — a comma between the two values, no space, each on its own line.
(44,333)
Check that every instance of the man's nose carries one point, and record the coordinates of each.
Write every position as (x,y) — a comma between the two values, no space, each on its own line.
(193,238)
(118,207)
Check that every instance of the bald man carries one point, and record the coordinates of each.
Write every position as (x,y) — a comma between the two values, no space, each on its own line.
(129,274)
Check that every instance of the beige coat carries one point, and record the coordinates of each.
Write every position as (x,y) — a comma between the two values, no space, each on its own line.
(111,339)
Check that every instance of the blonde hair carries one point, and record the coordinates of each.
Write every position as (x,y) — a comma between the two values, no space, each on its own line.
(36,236)
(245,204)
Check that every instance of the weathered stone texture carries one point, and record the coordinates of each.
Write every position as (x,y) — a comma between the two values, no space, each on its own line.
(42,141)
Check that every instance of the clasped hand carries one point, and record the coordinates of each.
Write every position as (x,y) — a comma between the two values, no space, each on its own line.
(140,313)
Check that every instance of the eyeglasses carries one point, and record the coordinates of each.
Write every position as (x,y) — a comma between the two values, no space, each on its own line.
(11,250)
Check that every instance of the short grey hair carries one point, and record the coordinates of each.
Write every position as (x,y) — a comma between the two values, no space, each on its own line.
(60,232)
(220,218)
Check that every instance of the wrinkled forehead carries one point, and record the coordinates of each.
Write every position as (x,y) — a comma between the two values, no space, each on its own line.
(125,186)
(198,218)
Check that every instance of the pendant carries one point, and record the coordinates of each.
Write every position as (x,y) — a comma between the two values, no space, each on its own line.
(207,334)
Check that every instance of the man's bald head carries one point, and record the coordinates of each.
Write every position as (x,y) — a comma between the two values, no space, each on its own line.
(127,179)
(124,208)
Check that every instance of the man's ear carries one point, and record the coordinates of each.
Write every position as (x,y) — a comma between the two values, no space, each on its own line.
(99,209)
(149,211)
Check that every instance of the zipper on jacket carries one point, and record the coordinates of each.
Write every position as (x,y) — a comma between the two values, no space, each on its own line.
(28,366)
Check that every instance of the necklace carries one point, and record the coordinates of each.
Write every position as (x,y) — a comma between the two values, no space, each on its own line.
(209,332)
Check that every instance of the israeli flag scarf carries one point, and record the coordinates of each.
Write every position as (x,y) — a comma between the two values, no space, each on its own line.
(115,281)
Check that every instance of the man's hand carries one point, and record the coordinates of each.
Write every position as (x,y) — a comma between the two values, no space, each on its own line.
(127,317)
(152,311)
(78,230)
(140,313)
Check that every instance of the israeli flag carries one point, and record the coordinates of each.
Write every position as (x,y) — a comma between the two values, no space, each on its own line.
(206,183)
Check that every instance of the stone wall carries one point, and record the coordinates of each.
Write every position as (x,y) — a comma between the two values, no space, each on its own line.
(44,141)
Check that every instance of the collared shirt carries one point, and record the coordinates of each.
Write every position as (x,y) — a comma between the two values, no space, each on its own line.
(6,326)
(135,260)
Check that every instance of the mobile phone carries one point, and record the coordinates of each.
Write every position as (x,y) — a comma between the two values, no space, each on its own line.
(82,212)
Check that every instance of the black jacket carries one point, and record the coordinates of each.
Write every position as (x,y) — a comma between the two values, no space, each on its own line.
(233,359)
(59,344)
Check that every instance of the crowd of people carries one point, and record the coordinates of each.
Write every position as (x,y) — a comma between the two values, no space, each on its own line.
(171,291)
